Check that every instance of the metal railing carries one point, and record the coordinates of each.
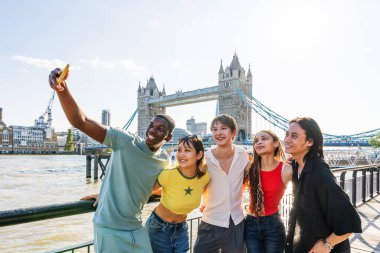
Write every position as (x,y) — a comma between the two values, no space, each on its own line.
(363,187)
(361,183)
(72,248)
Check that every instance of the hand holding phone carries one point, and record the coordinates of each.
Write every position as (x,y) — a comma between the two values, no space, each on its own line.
(63,74)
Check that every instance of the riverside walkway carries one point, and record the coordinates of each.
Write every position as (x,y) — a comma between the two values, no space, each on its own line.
(369,240)
(361,183)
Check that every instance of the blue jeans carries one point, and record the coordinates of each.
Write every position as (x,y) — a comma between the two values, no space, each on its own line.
(167,237)
(265,234)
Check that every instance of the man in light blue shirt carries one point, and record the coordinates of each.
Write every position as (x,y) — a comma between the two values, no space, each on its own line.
(133,168)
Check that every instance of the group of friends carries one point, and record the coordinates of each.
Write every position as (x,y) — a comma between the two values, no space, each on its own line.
(321,219)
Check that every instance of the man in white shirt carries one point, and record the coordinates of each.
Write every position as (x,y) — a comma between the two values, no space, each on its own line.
(222,226)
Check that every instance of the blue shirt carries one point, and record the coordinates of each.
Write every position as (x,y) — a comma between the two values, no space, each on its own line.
(131,172)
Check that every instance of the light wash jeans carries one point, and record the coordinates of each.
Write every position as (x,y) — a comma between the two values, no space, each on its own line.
(167,237)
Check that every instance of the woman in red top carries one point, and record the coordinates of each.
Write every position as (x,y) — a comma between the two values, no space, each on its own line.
(267,180)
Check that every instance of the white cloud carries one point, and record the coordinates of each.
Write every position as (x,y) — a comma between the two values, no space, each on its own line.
(39,63)
(99,64)
(132,67)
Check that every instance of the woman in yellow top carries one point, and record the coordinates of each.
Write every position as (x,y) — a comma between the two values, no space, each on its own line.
(182,188)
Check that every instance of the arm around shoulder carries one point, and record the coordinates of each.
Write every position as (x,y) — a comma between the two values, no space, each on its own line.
(287,173)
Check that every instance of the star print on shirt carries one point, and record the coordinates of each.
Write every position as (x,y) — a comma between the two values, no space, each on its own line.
(188,190)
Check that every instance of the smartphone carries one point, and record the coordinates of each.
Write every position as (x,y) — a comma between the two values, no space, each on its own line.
(63,74)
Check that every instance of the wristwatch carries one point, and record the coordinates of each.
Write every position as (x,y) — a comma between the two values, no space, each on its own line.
(327,244)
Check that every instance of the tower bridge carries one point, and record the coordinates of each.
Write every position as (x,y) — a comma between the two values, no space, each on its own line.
(151,101)
(234,96)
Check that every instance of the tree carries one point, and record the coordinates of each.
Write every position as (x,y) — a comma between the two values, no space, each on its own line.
(69,146)
(375,141)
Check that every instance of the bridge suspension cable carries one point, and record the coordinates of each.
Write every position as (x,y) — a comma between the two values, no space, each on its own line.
(262,110)
(281,122)
(126,126)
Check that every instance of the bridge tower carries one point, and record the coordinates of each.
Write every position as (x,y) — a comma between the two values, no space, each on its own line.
(229,102)
(147,111)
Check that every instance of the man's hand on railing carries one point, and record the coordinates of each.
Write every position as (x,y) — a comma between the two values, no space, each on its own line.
(92,196)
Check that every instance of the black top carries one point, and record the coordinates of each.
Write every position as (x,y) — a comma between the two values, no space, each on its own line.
(320,207)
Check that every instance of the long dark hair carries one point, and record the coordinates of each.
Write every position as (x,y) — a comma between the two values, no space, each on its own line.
(314,133)
(256,193)
(198,146)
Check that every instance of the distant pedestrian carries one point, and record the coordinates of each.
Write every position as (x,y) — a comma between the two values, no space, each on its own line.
(322,217)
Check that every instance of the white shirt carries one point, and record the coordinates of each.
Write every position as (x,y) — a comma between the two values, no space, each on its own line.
(224,192)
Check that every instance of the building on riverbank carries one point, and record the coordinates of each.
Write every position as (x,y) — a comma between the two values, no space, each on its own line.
(198,128)
(26,139)
(106,117)
(5,135)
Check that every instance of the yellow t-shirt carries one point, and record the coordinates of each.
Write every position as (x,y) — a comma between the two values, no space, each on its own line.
(181,194)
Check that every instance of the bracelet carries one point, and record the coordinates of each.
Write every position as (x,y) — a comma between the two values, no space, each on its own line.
(327,244)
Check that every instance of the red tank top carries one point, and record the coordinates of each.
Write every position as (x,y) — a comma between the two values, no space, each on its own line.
(273,188)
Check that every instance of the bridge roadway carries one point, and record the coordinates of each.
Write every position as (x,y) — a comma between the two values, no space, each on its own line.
(369,240)
(187,97)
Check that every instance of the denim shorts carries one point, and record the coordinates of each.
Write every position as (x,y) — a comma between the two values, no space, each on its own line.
(166,237)
(265,234)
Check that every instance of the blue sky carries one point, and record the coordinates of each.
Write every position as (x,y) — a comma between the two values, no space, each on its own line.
(319,58)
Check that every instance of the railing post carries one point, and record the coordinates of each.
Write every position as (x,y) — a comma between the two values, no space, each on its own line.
(353,199)
(364,185)
(88,166)
(371,183)
(96,163)
(378,180)
(342,179)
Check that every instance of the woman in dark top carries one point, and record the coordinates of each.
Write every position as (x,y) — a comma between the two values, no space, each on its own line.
(322,217)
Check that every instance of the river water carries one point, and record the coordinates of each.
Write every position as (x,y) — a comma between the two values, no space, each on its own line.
(29,181)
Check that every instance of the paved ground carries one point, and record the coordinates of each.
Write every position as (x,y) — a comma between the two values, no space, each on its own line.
(369,240)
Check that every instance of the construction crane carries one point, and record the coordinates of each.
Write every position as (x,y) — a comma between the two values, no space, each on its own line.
(48,111)
(46,125)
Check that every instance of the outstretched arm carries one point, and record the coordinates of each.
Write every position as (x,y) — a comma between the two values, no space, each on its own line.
(73,111)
